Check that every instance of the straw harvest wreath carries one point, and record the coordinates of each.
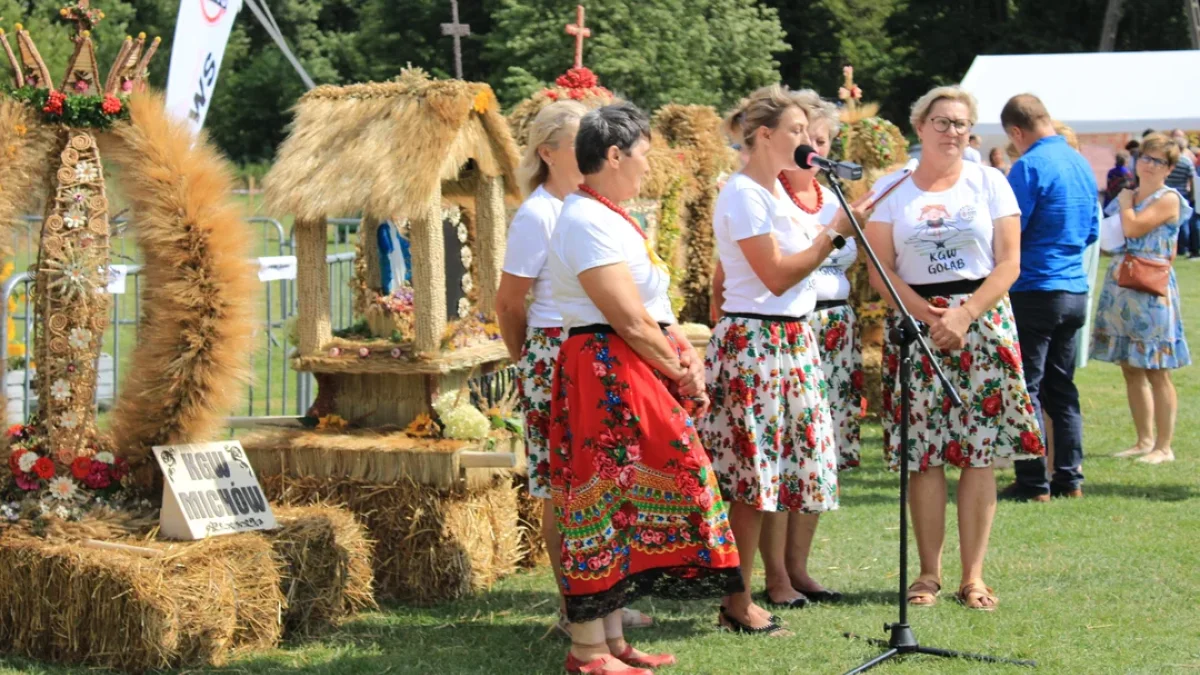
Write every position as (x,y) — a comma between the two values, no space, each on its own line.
(196,326)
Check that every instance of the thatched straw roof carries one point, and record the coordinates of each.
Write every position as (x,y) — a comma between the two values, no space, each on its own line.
(382,148)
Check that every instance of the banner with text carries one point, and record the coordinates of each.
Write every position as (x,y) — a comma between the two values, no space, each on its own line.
(210,489)
(201,33)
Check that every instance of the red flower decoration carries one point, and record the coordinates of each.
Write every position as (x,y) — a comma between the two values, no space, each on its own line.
(810,436)
(54,103)
(44,468)
(857,380)
(991,405)
(14,460)
(577,78)
(99,477)
(833,338)
(111,105)
(81,467)
(16,431)
(964,361)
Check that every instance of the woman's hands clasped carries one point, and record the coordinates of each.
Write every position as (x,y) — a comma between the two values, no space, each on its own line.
(949,327)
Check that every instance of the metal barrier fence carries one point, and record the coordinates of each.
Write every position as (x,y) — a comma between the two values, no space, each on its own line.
(275,390)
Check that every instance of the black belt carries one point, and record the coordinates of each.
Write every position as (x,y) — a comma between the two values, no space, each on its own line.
(766,317)
(601,329)
(960,287)
(831,304)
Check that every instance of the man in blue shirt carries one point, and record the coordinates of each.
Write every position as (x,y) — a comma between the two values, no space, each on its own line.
(1059,201)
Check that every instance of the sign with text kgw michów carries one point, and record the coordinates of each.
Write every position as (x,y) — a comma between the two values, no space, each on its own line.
(210,489)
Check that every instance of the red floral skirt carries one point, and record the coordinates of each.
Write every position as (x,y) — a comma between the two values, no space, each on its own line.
(635,495)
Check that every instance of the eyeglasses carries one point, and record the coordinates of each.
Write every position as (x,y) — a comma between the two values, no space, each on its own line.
(1154,160)
(943,124)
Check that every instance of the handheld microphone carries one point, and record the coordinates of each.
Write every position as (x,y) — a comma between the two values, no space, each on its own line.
(807,158)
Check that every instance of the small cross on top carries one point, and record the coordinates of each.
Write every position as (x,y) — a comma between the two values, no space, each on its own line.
(580,32)
(457,31)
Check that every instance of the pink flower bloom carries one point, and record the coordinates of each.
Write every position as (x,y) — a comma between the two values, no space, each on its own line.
(599,369)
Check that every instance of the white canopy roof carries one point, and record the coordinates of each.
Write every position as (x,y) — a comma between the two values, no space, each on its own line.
(1093,93)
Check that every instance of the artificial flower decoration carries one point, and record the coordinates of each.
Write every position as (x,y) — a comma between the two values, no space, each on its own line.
(60,390)
(62,488)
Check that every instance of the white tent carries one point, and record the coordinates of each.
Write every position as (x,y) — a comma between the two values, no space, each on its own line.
(1094,93)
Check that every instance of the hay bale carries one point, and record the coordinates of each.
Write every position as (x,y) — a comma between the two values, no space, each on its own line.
(195,605)
(327,566)
(430,544)
(529,524)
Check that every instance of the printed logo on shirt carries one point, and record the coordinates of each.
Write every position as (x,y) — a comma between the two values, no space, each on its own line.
(967,213)
(938,236)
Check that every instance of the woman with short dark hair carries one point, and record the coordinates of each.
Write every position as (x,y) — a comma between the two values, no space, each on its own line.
(635,496)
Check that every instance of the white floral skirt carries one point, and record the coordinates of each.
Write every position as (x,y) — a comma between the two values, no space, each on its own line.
(535,379)
(769,429)
(836,330)
(996,423)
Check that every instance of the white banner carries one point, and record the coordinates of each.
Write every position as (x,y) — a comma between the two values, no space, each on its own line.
(117,274)
(277,268)
(201,33)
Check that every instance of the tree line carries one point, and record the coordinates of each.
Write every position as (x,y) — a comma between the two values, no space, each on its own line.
(687,51)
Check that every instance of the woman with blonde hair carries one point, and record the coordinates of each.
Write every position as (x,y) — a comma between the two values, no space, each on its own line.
(769,429)
(1139,328)
(533,334)
(949,241)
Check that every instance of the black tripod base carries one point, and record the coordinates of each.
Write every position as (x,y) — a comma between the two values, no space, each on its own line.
(903,642)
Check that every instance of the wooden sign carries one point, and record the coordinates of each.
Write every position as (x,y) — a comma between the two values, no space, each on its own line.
(210,489)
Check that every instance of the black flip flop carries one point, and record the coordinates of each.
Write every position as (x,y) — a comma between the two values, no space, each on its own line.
(736,626)
(823,596)
(798,603)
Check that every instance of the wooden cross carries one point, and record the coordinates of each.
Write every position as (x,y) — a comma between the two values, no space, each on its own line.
(458,31)
(580,32)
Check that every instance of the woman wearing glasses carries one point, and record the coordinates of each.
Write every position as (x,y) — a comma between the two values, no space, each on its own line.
(949,240)
(1142,331)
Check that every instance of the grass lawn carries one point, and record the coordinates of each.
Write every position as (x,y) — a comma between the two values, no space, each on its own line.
(1107,584)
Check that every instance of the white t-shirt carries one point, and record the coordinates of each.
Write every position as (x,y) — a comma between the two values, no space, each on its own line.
(589,235)
(528,249)
(746,209)
(972,155)
(830,281)
(947,236)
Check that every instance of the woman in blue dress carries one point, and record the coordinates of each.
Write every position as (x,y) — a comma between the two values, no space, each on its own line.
(1143,332)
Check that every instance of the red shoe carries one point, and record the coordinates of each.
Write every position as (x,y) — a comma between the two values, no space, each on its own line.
(646,660)
(574,665)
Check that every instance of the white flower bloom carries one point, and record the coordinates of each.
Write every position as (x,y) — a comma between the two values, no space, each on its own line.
(60,390)
(78,195)
(80,338)
(27,461)
(467,256)
(106,457)
(85,172)
(62,512)
(69,419)
(462,233)
(468,284)
(62,488)
(464,308)
(76,217)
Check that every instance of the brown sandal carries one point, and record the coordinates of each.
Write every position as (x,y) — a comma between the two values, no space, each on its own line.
(923,593)
(975,595)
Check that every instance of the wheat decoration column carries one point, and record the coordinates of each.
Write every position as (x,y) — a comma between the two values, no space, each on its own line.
(429,273)
(489,238)
(312,282)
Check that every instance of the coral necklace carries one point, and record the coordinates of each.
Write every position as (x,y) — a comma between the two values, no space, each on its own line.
(657,261)
(787,187)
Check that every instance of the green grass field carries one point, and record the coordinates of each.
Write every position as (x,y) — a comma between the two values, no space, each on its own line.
(1107,584)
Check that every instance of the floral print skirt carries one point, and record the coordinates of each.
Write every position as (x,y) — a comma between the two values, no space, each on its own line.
(996,423)
(635,496)
(841,362)
(769,429)
(1140,329)
(535,379)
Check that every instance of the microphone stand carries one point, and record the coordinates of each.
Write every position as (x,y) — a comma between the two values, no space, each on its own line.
(902,641)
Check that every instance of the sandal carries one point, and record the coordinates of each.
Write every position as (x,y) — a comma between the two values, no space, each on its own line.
(924,593)
(631,618)
(596,666)
(772,629)
(798,603)
(645,660)
(975,595)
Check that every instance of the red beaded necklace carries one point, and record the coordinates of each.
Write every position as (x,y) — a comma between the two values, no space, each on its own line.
(787,187)
(587,190)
